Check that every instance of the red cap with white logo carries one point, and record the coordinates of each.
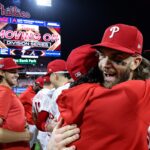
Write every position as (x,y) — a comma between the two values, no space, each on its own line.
(122,37)
(8,64)
(46,78)
(40,81)
(57,65)
(81,60)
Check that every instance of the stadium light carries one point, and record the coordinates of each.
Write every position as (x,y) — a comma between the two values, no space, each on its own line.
(44,2)
(36,73)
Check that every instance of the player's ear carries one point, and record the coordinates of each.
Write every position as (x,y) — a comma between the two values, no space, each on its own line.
(136,61)
(56,76)
(1,73)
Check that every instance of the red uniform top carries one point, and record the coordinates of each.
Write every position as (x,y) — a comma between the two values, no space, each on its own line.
(12,112)
(26,99)
(109,119)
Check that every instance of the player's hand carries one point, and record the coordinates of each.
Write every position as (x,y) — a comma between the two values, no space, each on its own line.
(62,136)
(50,126)
(26,126)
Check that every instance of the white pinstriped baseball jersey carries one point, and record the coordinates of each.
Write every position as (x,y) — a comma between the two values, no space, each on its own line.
(53,107)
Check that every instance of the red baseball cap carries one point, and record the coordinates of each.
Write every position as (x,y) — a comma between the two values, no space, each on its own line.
(80,60)
(46,78)
(56,66)
(40,81)
(8,64)
(122,37)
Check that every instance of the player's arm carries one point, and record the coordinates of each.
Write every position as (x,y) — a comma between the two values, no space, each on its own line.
(34,117)
(8,136)
(41,120)
(45,120)
(42,124)
(34,112)
(62,136)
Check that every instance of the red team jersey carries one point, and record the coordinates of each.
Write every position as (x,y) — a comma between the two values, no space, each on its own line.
(26,99)
(109,119)
(12,112)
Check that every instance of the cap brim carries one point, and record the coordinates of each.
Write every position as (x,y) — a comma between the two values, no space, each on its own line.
(115,47)
(48,73)
(16,67)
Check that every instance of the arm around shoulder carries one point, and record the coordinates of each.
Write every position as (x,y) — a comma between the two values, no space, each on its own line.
(8,136)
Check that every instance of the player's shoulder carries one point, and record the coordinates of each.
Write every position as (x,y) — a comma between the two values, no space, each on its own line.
(4,90)
(40,95)
(147,82)
(137,83)
(65,86)
(83,88)
(138,87)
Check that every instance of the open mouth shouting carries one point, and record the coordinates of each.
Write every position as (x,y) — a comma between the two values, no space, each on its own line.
(109,77)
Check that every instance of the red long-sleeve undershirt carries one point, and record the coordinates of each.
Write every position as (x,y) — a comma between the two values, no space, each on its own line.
(41,120)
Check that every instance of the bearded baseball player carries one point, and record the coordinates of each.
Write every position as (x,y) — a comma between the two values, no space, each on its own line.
(60,78)
(13,135)
(120,104)
(26,99)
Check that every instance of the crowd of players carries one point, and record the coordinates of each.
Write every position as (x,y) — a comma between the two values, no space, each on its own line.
(98,99)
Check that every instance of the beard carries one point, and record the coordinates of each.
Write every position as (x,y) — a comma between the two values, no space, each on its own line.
(124,76)
(11,83)
(37,90)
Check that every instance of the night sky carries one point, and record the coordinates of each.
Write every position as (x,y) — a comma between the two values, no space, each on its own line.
(84,21)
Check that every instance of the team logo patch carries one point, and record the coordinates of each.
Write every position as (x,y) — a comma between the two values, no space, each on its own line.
(113,30)
(78,74)
(50,70)
(1,65)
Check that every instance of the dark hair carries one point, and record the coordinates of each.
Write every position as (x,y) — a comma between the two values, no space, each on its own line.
(1,78)
(47,83)
(143,71)
(94,75)
(66,75)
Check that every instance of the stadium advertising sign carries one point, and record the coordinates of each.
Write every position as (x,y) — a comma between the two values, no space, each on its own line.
(26,61)
(29,37)
(13,11)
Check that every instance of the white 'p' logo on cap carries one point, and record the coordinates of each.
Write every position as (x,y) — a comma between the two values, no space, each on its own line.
(139,46)
(14,61)
(113,30)
(1,65)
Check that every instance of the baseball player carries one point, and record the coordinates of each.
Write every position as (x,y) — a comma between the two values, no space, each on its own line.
(39,108)
(13,135)
(117,116)
(26,99)
(60,78)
